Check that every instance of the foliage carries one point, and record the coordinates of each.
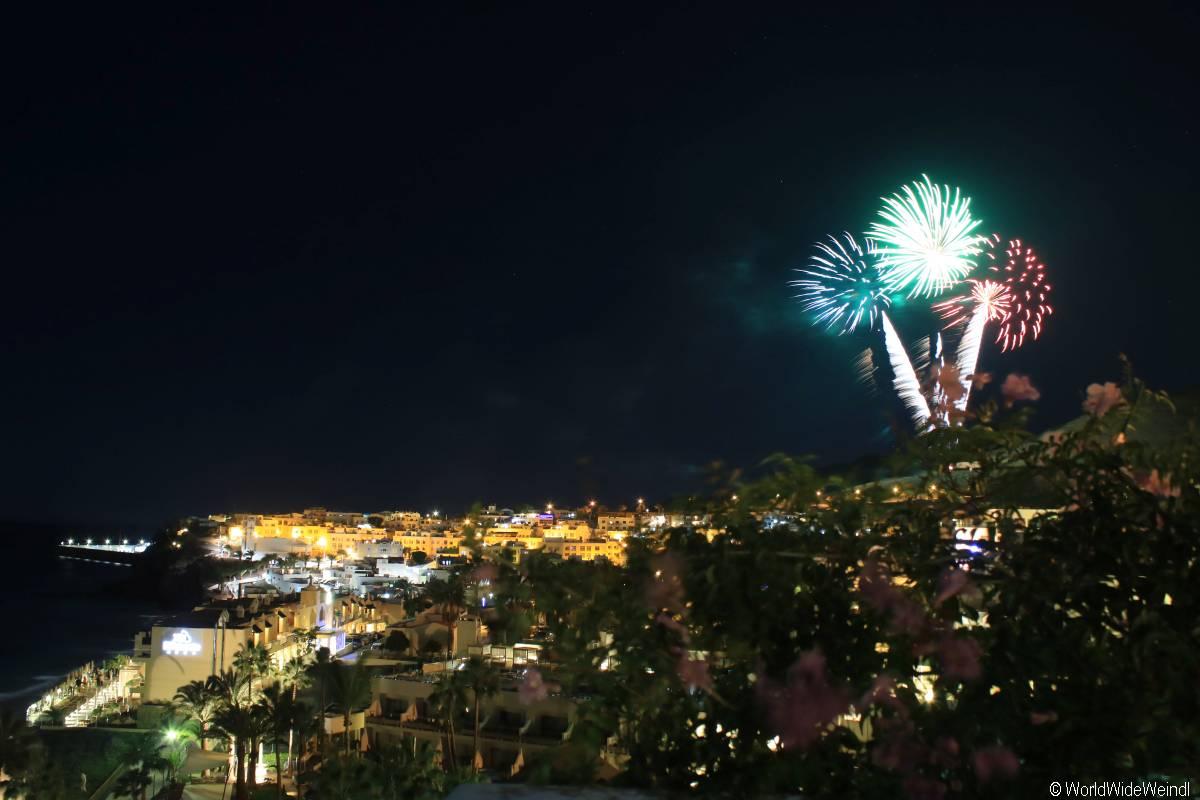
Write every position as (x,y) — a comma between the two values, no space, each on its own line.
(843,645)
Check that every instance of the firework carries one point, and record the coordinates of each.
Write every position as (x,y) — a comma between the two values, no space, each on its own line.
(925,241)
(842,286)
(988,301)
(842,290)
(1024,276)
(1014,294)
(904,377)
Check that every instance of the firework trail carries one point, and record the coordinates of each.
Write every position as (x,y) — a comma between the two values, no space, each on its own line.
(987,301)
(1014,294)
(843,290)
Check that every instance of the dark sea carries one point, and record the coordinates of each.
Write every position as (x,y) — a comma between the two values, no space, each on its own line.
(59,613)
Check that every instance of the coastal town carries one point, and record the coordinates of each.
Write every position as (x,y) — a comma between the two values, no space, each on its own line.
(349,585)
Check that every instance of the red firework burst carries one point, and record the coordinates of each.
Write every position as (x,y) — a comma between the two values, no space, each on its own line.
(1018,268)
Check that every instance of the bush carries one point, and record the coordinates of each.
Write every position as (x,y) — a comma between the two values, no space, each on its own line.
(844,645)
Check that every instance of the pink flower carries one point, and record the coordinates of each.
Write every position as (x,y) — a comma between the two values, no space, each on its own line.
(953,582)
(1102,399)
(693,673)
(960,658)
(945,751)
(1159,486)
(980,380)
(672,624)
(1017,388)
(919,787)
(898,753)
(875,585)
(947,377)
(882,689)
(801,710)
(533,688)
(995,762)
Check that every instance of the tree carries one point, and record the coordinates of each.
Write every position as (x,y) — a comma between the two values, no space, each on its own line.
(234,718)
(351,687)
(396,642)
(142,756)
(238,724)
(254,660)
(294,675)
(18,745)
(446,700)
(195,702)
(482,679)
(322,670)
(280,710)
(134,782)
(401,772)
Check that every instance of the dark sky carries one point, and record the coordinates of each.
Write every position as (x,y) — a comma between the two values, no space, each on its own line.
(417,258)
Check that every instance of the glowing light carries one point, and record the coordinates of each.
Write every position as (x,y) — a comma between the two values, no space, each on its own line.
(988,301)
(842,286)
(235,532)
(181,644)
(925,241)
(1014,294)
(904,376)
(1024,276)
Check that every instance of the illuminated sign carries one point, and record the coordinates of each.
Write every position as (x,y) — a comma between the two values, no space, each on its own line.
(181,644)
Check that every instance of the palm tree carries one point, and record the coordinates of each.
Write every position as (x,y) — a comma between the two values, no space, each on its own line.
(143,754)
(401,773)
(352,688)
(483,680)
(294,674)
(197,703)
(279,709)
(450,598)
(253,659)
(237,723)
(175,732)
(233,718)
(133,782)
(321,670)
(449,696)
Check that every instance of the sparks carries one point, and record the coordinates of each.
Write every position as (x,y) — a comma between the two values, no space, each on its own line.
(988,301)
(842,286)
(925,241)
(842,289)
(1024,278)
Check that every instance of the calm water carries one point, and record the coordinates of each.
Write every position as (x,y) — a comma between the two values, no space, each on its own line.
(57,614)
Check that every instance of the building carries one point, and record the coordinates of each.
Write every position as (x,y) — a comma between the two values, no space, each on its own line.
(587,549)
(204,641)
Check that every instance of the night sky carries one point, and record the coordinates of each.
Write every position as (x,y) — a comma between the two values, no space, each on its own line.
(419,258)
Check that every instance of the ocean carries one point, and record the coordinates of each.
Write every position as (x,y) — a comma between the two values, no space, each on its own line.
(58,613)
